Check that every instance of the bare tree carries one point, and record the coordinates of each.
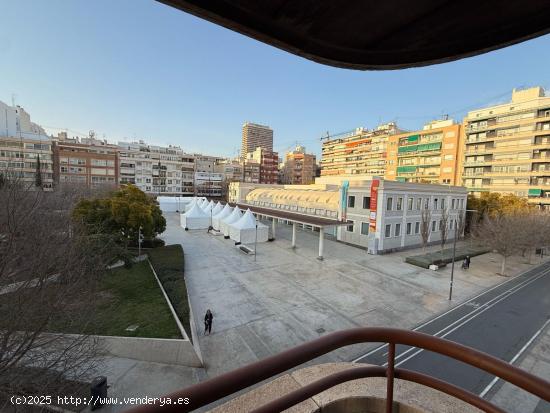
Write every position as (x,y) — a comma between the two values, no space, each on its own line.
(444,228)
(500,233)
(49,269)
(425,218)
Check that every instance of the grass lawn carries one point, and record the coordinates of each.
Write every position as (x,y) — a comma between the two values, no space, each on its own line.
(128,297)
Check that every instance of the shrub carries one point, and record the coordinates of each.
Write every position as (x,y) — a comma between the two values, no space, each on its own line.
(168,262)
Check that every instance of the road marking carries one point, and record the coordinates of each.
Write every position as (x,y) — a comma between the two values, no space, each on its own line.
(465,322)
(473,314)
(465,303)
(514,359)
(454,309)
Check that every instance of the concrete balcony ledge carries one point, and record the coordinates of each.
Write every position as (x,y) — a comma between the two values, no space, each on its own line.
(363,395)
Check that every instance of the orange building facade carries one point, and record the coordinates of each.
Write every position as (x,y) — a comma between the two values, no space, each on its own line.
(430,155)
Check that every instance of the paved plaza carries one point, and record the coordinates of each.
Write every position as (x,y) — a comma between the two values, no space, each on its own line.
(287,296)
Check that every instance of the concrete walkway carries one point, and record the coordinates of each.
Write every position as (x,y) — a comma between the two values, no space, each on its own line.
(287,296)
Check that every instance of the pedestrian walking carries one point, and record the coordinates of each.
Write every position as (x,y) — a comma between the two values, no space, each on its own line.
(467,261)
(208,317)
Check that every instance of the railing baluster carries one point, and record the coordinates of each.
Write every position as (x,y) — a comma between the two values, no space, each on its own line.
(389,377)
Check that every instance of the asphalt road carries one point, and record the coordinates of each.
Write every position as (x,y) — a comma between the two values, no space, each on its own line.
(500,321)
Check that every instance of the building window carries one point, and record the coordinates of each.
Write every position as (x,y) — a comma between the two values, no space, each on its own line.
(409,228)
(435,203)
(453,203)
(440,224)
(389,204)
(397,230)
(426,203)
(366,202)
(388,231)
(434,226)
(399,204)
(418,203)
(349,227)
(442,203)
(417,227)
(410,204)
(351,201)
(364,228)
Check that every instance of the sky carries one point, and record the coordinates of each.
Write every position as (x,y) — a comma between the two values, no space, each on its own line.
(138,69)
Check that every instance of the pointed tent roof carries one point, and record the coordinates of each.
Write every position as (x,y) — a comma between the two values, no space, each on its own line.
(247,221)
(217,208)
(225,212)
(235,215)
(192,202)
(200,201)
(208,207)
(195,212)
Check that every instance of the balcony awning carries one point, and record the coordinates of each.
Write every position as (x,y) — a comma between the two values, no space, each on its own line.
(375,34)
(534,192)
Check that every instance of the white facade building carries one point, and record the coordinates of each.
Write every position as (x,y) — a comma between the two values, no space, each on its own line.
(156,169)
(382,215)
(22,143)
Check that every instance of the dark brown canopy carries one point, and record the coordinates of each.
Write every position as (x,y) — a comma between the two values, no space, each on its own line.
(379,34)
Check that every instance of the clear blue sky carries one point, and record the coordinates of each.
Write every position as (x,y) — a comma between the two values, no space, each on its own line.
(142,70)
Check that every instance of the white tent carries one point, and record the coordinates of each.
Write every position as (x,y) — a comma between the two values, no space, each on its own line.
(224,213)
(195,218)
(173,203)
(244,230)
(234,217)
(200,201)
(217,208)
(191,204)
(206,207)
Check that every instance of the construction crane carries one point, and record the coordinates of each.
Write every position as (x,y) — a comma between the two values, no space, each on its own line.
(328,136)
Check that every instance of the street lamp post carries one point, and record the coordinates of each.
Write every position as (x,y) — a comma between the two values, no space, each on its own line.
(256,240)
(453,262)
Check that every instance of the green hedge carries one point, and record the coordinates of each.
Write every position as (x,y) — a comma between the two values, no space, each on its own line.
(168,262)
(425,260)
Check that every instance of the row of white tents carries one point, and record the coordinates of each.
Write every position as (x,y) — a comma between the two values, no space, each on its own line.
(234,223)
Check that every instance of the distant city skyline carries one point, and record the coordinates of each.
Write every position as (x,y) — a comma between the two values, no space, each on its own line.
(139,69)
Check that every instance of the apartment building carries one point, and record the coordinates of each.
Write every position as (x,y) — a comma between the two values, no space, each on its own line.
(86,161)
(167,169)
(24,145)
(299,167)
(430,155)
(136,165)
(269,164)
(232,170)
(251,171)
(507,147)
(255,136)
(360,152)
(208,182)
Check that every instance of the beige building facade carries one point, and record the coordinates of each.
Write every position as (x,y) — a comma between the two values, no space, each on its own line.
(358,153)
(507,147)
(430,155)
(299,167)
(255,136)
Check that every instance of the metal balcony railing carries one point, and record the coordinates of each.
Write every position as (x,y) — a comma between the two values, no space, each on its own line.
(212,390)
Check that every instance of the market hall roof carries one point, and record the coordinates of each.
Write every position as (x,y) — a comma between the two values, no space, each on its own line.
(376,34)
(306,198)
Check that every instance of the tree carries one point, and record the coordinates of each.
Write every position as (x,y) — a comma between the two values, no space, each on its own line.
(494,203)
(121,213)
(38,174)
(425,218)
(51,267)
(500,233)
